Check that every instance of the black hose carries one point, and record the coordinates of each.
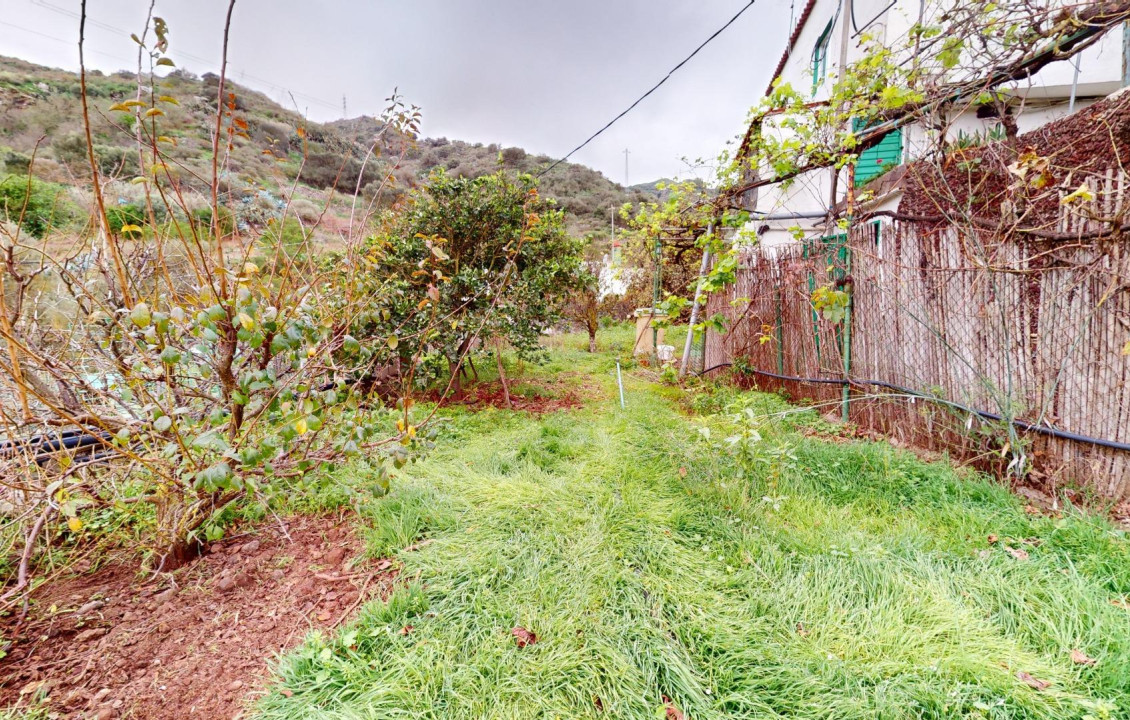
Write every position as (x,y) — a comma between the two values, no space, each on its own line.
(1041,429)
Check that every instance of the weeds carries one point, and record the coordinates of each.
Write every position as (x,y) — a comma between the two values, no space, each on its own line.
(652,564)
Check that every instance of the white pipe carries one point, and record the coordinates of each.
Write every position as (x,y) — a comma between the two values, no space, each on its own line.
(620,382)
(694,306)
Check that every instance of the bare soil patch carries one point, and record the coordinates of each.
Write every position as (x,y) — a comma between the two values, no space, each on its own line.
(537,398)
(197,642)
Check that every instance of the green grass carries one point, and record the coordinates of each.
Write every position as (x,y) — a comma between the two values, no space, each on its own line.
(808,578)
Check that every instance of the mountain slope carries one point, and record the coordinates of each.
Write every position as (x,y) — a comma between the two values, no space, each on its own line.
(283,156)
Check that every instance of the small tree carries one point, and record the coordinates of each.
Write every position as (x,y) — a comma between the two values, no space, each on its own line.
(491,257)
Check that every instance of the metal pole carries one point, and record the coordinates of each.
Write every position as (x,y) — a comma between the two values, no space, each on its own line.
(620,382)
(694,306)
(655,298)
(1074,87)
(849,289)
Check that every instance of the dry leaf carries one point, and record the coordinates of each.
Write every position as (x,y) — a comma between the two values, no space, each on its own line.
(1081,658)
(1122,603)
(801,630)
(1034,683)
(407,629)
(1017,553)
(286,692)
(421,544)
(682,472)
(673,713)
(523,637)
(992,539)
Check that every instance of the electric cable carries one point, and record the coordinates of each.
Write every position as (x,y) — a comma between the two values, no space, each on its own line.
(655,87)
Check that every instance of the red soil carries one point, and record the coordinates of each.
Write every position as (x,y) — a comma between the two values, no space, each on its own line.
(195,643)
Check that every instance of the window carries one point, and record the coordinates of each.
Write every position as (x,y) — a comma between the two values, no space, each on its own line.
(820,56)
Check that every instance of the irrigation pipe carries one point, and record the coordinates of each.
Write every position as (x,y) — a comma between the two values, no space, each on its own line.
(1041,429)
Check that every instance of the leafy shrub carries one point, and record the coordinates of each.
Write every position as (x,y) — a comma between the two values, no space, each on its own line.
(203,220)
(45,204)
(15,163)
(119,216)
(332,170)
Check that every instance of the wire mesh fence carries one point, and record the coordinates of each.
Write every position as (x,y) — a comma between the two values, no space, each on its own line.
(1008,353)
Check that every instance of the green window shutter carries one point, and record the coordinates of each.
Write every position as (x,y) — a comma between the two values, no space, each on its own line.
(876,160)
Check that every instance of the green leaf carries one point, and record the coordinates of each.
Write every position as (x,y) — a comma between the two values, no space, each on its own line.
(140,315)
(163,423)
(165,62)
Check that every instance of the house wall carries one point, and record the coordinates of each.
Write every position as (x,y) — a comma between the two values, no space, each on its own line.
(1045,98)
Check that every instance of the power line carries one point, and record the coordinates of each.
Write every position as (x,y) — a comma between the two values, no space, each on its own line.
(655,87)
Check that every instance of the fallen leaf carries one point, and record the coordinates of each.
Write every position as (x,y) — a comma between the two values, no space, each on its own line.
(673,713)
(384,564)
(992,539)
(1017,553)
(523,637)
(800,630)
(286,692)
(407,629)
(1123,603)
(1081,658)
(682,472)
(1034,683)
(599,705)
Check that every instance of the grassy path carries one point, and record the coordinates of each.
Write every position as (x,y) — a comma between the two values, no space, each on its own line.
(814,580)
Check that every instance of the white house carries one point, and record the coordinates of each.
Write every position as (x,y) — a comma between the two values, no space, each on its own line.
(810,62)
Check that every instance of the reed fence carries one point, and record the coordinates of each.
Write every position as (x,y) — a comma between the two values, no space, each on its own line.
(1011,354)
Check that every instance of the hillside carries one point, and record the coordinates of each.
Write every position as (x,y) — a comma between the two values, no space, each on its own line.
(40,113)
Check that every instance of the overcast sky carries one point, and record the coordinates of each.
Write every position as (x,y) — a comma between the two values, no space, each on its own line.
(537,74)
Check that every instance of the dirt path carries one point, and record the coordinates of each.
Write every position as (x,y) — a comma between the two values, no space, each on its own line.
(196,644)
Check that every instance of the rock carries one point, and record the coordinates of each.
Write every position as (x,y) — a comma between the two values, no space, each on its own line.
(335,556)
(105,714)
(165,596)
(278,575)
(90,607)
(244,580)
(90,634)
(236,685)
(225,583)
(101,695)
(250,547)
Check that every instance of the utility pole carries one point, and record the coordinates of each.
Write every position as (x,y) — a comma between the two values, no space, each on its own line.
(626,154)
(344,112)
(615,246)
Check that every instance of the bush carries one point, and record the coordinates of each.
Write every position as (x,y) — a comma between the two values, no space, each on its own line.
(121,215)
(331,170)
(15,163)
(203,220)
(45,208)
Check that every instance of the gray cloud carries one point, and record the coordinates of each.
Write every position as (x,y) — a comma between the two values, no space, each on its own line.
(536,74)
